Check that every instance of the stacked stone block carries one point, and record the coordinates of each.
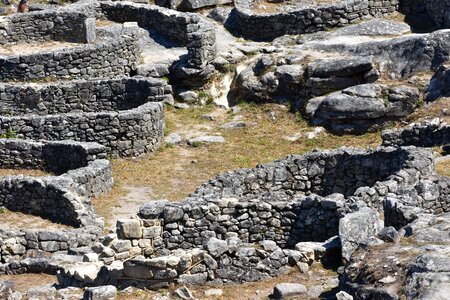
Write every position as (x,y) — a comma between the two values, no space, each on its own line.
(188,29)
(110,56)
(47,25)
(267,26)
(82,172)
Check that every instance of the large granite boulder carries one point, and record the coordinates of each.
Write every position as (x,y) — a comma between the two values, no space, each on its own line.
(272,78)
(439,85)
(363,108)
(356,228)
(399,56)
(324,76)
(415,268)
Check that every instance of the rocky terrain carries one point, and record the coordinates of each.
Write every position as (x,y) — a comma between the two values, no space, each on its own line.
(205,149)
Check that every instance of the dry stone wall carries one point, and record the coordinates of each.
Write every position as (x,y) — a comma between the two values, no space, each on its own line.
(185,28)
(246,237)
(94,95)
(109,56)
(124,133)
(300,198)
(266,26)
(47,26)
(429,134)
(82,172)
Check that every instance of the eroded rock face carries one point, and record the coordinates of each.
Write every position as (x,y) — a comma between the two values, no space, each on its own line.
(272,78)
(355,228)
(364,107)
(439,85)
(416,268)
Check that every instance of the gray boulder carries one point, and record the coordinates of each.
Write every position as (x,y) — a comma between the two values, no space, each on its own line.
(216,247)
(401,56)
(363,108)
(107,292)
(183,293)
(206,139)
(152,209)
(6,289)
(324,76)
(287,290)
(173,139)
(355,228)
(439,85)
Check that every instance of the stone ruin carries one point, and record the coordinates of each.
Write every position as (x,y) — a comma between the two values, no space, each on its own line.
(96,89)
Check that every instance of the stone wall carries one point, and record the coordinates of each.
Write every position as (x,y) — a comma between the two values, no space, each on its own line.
(281,202)
(188,29)
(47,25)
(55,157)
(109,56)
(429,134)
(267,26)
(95,95)
(124,133)
(323,173)
(64,198)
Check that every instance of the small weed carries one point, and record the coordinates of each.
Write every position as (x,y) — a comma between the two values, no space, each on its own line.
(10,134)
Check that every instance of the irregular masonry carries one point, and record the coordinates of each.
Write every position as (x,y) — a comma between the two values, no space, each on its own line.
(185,28)
(429,134)
(47,26)
(94,95)
(298,19)
(115,113)
(124,133)
(250,224)
(114,53)
(221,262)
(81,173)
(277,202)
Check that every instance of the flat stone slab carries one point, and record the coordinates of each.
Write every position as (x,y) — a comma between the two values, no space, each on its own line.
(206,139)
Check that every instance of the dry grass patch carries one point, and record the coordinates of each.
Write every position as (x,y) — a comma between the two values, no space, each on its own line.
(443,167)
(252,290)
(10,220)
(25,172)
(439,108)
(174,172)
(25,281)
(30,48)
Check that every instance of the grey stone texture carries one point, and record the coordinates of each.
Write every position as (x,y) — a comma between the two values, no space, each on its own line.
(81,172)
(252,224)
(270,78)
(431,13)
(439,85)
(94,95)
(402,56)
(417,269)
(427,134)
(363,108)
(123,114)
(300,198)
(48,25)
(356,228)
(112,55)
(188,29)
(305,18)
